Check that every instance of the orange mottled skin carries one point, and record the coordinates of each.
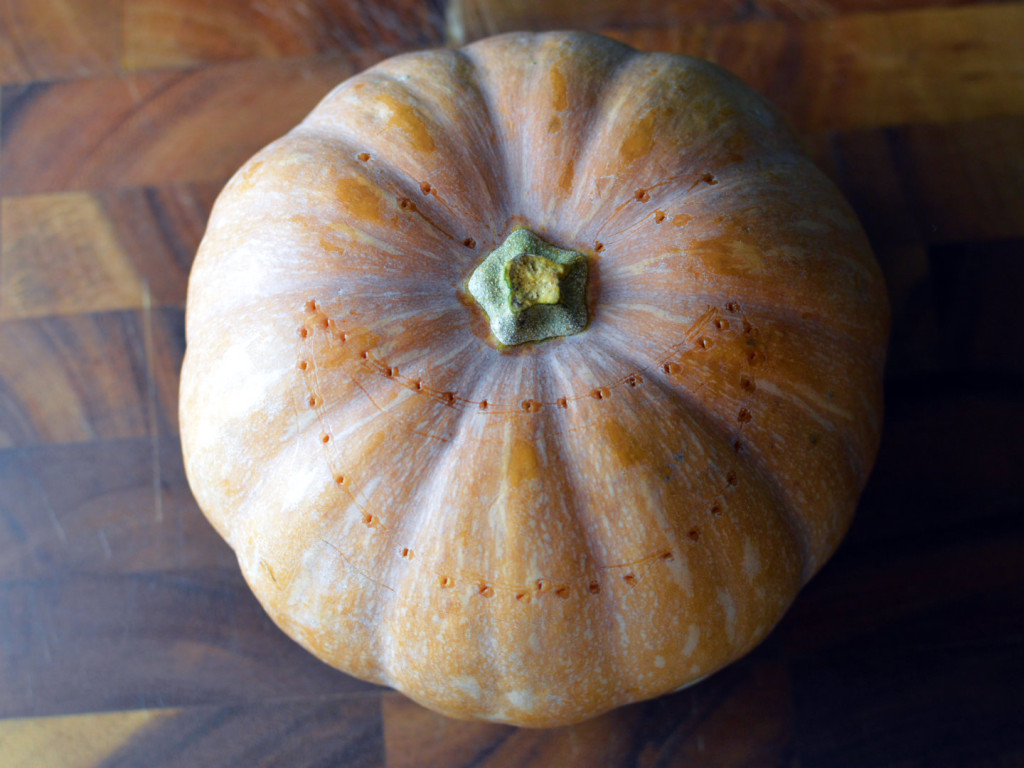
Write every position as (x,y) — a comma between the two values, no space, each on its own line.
(533,534)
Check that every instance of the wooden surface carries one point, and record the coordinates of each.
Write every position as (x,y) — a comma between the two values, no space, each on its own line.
(127,636)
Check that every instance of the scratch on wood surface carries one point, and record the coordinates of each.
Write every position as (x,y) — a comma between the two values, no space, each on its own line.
(154,426)
(107,552)
(61,534)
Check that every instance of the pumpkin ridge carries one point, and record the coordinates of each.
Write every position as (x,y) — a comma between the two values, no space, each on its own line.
(402,187)
(427,490)
(329,119)
(593,121)
(784,512)
(649,562)
(598,126)
(603,614)
(427,102)
(672,385)
(725,570)
(501,201)
(498,195)
(622,101)
(678,196)
(490,59)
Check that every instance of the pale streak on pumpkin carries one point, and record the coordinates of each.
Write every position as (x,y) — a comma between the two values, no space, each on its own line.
(662,525)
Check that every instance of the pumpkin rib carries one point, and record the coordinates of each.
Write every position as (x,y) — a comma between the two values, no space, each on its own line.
(399,162)
(499,637)
(497,176)
(719,564)
(720,429)
(679,194)
(614,651)
(575,480)
(485,98)
(781,162)
(492,62)
(852,455)
(664,103)
(388,618)
(394,190)
(622,94)
(863,336)
(785,515)
(402,187)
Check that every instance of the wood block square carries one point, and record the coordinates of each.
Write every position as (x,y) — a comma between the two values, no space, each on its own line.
(54,39)
(72,252)
(174,33)
(157,128)
(342,731)
(61,255)
(86,377)
(867,70)
(967,179)
(108,507)
(146,640)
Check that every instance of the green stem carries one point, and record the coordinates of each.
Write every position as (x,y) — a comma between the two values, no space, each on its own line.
(531,290)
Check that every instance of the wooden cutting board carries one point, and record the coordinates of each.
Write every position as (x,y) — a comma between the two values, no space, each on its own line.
(127,636)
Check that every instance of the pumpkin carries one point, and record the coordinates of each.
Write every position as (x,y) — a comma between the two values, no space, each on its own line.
(532,378)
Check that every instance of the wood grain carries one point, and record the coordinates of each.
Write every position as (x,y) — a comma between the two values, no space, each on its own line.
(73,252)
(73,741)
(175,33)
(52,39)
(967,178)
(870,70)
(156,128)
(740,718)
(92,643)
(101,508)
(472,19)
(100,376)
(325,732)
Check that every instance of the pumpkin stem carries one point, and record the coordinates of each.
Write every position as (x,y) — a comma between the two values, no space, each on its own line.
(531,290)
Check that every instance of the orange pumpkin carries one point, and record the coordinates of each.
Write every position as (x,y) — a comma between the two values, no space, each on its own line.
(539,524)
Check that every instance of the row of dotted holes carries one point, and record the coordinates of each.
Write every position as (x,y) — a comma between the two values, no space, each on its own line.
(541,586)
(486,590)
(315,400)
(408,205)
(527,405)
(644,196)
(754,358)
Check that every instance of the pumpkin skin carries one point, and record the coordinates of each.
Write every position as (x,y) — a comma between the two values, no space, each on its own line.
(539,533)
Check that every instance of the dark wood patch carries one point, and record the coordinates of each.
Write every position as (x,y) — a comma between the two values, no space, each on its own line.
(148,640)
(315,733)
(101,508)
